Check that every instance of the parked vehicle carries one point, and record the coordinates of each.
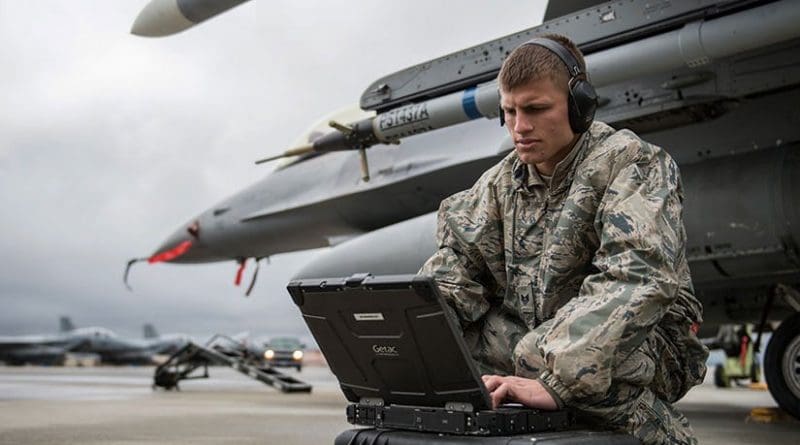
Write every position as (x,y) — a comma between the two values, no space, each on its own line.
(284,352)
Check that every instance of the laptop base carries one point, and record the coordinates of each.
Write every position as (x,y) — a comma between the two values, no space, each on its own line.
(500,422)
(372,436)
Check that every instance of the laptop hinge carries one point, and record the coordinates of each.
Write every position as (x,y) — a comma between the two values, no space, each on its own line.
(370,401)
(356,279)
(459,406)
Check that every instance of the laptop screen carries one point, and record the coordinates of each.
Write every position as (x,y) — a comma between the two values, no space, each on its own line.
(390,338)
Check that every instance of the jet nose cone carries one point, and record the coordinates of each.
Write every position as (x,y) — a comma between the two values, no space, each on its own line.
(176,248)
(188,244)
(160,18)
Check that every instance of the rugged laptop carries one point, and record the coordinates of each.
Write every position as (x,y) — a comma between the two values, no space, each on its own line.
(400,359)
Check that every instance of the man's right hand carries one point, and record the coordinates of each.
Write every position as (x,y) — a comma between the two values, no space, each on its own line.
(529,392)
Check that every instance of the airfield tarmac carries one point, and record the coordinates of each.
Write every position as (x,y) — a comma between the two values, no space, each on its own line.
(117,406)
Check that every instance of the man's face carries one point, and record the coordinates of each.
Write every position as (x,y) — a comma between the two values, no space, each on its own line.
(537,119)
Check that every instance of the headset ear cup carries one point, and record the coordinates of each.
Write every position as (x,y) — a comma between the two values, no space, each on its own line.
(582,105)
(574,112)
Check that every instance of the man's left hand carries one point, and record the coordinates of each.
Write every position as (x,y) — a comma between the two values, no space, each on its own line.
(528,392)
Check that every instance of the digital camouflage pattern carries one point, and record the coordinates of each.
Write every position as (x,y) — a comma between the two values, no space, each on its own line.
(581,282)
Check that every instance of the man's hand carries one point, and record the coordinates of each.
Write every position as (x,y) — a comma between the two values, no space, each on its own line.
(528,392)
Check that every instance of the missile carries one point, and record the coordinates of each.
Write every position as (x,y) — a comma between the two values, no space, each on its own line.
(393,125)
(389,127)
(165,17)
(695,44)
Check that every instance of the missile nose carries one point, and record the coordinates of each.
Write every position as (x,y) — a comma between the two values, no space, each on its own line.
(160,18)
(164,17)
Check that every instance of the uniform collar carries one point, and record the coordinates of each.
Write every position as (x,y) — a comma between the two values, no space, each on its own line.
(527,175)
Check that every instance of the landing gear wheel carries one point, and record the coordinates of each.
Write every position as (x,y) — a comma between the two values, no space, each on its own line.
(721,380)
(782,365)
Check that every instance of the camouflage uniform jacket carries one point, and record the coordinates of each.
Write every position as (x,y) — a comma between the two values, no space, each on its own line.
(586,277)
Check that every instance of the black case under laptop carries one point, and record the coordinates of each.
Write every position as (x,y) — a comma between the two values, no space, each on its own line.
(400,359)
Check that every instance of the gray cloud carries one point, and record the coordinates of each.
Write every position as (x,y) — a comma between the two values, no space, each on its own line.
(108,142)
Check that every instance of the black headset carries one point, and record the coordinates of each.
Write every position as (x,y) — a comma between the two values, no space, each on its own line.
(582,100)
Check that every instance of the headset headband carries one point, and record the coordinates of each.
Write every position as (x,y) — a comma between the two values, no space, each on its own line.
(566,56)
(582,98)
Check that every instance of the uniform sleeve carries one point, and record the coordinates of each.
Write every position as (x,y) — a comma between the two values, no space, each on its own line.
(636,280)
(469,239)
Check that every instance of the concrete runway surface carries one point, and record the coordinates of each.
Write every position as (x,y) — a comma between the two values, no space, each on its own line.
(117,406)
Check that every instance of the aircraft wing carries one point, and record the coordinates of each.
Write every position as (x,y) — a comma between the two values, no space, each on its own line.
(560,8)
(65,343)
(43,350)
(19,342)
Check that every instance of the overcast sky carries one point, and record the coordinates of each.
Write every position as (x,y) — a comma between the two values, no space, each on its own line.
(109,142)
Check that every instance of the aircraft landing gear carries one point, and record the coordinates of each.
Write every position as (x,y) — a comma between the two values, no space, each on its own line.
(721,379)
(740,366)
(782,365)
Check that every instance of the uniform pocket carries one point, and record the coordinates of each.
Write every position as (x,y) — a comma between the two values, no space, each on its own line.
(681,359)
(638,369)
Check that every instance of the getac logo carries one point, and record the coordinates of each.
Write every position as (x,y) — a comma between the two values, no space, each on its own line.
(385,350)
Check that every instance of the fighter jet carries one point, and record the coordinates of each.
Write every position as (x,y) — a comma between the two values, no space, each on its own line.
(53,349)
(166,344)
(41,349)
(715,82)
(112,348)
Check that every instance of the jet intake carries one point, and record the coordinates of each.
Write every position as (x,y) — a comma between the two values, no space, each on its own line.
(742,218)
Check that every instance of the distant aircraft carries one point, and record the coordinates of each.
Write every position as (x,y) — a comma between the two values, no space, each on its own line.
(53,349)
(110,347)
(117,350)
(715,82)
(65,324)
(163,344)
(42,349)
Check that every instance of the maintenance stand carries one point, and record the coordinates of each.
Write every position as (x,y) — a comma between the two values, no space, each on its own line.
(225,351)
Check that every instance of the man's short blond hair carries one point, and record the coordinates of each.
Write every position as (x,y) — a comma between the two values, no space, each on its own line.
(533,62)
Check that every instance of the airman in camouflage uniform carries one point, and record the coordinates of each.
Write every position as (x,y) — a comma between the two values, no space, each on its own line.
(572,276)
